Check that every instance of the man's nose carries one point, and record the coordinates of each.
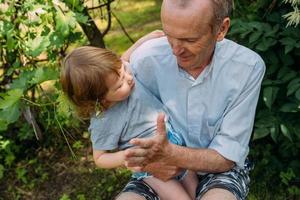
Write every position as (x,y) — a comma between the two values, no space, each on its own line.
(177,47)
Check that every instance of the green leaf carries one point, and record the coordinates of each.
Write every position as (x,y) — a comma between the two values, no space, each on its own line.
(254,36)
(288,41)
(11,114)
(9,158)
(297,94)
(274,132)
(1,171)
(3,124)
(288,48)
(286,59)
(44,74)
(293,88)
(73,4)
(269,95)
(273,32)
(22,81)
(37,45)
(56,40)
(264,122)
(65,107)
(260,133)
(65,197)
(289,76)
(289,107)
(265,44)
(283,72)
(64,22)
(286,132)
(10,98)
(81,18)
(10,41)
(294,81)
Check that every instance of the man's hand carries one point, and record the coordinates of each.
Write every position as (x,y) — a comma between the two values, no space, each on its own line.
(148,150)
(162,171)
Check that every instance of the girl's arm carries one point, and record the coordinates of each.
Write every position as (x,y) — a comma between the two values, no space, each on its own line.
(152,35)
(104,159)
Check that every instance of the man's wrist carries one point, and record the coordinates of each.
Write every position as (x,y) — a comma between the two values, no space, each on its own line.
(171,154)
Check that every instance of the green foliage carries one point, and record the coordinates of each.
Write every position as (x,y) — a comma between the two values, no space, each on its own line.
(34,36)
(277,120)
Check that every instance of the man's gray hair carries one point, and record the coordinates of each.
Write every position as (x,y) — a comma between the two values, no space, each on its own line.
(222,9)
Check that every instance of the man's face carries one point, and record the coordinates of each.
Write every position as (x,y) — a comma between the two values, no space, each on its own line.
(190,36)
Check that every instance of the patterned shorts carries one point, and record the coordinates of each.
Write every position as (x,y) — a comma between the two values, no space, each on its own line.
(236,181)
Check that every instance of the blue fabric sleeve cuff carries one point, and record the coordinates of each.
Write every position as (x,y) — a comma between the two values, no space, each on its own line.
(230,149)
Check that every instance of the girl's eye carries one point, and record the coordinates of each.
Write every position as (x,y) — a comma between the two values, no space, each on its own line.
(119,86)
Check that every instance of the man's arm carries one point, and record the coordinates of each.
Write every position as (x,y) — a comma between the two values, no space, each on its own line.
(159,149)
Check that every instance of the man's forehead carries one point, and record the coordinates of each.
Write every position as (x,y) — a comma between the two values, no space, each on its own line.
(193,15)
(185,27)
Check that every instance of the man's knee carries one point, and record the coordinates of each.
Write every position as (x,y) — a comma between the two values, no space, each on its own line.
(129,196)
(218,193)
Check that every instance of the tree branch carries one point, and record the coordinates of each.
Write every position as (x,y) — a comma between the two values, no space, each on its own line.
(109,17)
(123,28)
(102,5)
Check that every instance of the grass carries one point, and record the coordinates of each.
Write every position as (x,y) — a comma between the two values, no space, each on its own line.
(138,17)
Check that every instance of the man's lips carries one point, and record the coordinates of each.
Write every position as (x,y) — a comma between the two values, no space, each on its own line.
(183,58)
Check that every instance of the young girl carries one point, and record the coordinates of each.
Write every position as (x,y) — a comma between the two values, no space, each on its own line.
(103,88)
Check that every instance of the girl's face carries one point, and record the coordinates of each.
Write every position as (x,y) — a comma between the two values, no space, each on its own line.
(119,87)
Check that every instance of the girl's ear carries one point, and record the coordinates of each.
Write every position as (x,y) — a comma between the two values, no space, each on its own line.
(223,29)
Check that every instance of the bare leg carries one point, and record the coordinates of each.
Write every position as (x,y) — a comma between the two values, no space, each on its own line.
(189,183)
(129,196)
(218,193)
(168,190)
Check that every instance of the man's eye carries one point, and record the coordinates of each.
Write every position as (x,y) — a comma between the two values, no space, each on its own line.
(191,40)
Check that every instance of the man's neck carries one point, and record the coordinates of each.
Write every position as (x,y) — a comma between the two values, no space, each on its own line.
(196,71)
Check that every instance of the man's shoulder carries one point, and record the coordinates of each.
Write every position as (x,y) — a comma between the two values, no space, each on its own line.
(152,48)
(238,53)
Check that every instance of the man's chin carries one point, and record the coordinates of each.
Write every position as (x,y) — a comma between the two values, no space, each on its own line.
(185,65)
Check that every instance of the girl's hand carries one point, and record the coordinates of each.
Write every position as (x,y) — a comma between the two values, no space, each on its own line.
(154,34)
(133,169)
(151,35)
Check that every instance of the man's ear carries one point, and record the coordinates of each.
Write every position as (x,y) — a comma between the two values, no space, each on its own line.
(223,29)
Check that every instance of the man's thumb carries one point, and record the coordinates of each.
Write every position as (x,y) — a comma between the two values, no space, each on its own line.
(161,127)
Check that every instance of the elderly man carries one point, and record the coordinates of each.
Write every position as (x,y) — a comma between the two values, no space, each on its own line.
(210,86)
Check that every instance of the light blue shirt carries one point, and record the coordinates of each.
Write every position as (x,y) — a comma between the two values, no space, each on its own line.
(134,117)
(217,109)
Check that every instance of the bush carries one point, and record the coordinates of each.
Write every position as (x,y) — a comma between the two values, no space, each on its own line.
(276,138)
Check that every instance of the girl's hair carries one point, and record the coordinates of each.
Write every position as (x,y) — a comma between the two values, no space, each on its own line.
(83,76)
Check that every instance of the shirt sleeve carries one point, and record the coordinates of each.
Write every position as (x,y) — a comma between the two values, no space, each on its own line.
(232,138)
(105,133)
